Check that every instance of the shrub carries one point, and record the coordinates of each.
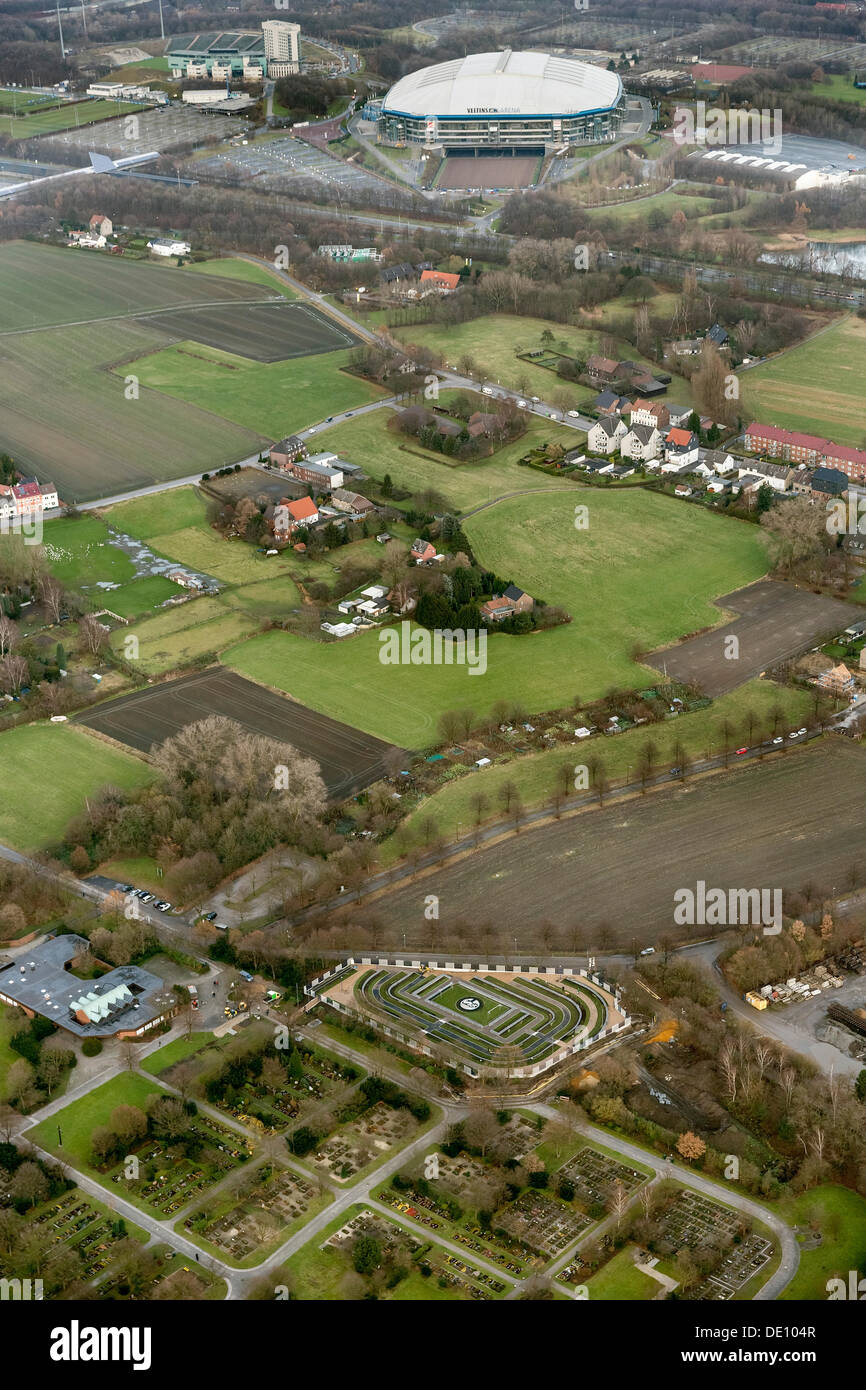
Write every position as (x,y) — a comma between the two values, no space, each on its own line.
(91,1047)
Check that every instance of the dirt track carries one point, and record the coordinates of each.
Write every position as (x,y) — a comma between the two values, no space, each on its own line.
(349,759)
(793,819)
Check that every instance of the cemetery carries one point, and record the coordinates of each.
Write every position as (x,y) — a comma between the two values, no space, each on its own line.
(243,1226)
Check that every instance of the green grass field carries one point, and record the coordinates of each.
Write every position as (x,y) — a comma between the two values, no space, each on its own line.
(174,1052)
(841,1217)
(275,398)
(11,1022)
(368,441)
(621,1281)
(141,873)
(637,208)
(160,514)
(232,268)
(180,635)
(79,552)
(139,597)
(661,567)
(67,116)
(78,1120)
(52,768)
(816,388)
(537,775)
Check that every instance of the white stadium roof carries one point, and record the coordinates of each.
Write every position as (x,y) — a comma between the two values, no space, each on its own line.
(504,84)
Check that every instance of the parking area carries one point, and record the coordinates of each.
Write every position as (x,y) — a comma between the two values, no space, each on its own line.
(774,622)
(165,128)
(277,164)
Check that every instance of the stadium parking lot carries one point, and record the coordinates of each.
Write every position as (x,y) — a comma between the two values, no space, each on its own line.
(272,162)
(165,128)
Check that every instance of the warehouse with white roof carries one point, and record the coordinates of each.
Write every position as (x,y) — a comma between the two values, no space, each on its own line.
(518,103)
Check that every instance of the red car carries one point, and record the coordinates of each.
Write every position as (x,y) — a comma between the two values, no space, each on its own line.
(741,751)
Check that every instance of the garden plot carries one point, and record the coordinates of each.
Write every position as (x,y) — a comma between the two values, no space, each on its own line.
(594,1176)
(543,1224)
(252,1221)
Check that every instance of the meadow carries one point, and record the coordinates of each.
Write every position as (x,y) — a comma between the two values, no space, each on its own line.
(646,570)
(232,268)
(368,440)
(816,388)
(52,769)
(275,397)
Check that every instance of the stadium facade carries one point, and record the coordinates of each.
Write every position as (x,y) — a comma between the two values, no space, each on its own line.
(510,102)
(250,56)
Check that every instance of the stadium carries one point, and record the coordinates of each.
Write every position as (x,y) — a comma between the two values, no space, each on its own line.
(503,103)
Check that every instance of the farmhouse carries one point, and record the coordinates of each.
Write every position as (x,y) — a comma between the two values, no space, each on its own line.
(440,280)
(101,225)
(601,368)
(125,1002)
(507,605)
(287,451)
(422,552)
(608,402)
(288,516)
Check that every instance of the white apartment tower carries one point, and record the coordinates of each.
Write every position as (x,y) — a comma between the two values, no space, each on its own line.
(282,47)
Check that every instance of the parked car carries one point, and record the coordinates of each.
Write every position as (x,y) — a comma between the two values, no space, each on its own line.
(209,917)
(741,751)
(164,906)
(147,897)
(779,739)
(675,771)
(800,732)
(522,405)
(245,975)
(648,951)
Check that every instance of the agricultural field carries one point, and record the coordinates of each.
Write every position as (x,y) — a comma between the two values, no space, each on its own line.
(68,115)
(348,759)
(726,827)
(53,768)
(537,775)
(275,397)
(192,631)
(662,565)
(817,387)
(233,268)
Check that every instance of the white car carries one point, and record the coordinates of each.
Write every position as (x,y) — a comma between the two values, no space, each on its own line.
(802,731)
(486,391)
(779,739)
(574,414)
(521,405)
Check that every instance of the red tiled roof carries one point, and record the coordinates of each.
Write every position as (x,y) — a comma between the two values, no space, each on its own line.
(26,490)
(678,436)
(807,441)
(302,508)
(440,277)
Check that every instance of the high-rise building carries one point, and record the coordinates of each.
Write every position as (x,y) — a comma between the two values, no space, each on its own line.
(282,47)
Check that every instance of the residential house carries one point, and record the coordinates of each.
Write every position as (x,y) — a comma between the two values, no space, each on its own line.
(719,460)
(718,485)
(523,602)
(828,482)
(678,414)
(287,451)
(496,610)
(30,496)
(395,273)
(621,470)
(288,516)
(601,369)
(641,442)
(810,449)
(605,435)
(482,423)
(681,446)
(440,280)
(422,552)
(717,335)
(101,225)
(167,246)
(683,490)
(94,241)
(648,413)
(609,403)
(684,347)
(351,502)
(373,607)
(838,680)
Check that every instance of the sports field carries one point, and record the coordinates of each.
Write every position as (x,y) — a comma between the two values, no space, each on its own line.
(645,570)
(349,760)
(67,116)
(816,388)
(511,171)
(48,771)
